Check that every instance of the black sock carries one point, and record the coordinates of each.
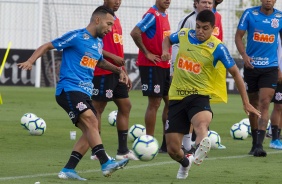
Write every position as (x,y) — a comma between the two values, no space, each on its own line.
(279,131)
(254,136)
(184,161)
(193,136)
(74,159)
(260,138)
(274,130)
(100,153)
(122,142)
(163,147)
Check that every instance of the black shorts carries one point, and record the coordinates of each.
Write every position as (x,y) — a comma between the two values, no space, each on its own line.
(155,80)
(180,112)
(75,103)
(108,87)
(260,78)
(277,98)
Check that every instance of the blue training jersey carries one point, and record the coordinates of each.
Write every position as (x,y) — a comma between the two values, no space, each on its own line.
(221,53)
(262,36)
(81,52)
(148,24)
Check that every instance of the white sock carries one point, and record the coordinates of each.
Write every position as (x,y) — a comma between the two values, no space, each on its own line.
(186,141)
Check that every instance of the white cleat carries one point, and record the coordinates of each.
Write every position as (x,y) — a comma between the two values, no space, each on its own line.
(182,172)
(202,151)
(130,155)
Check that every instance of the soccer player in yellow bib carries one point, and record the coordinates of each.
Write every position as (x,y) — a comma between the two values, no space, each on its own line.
(197,82)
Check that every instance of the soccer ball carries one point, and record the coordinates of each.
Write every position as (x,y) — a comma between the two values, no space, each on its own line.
(136,131)
(112,118)
(239,131)
(36,126)
(246,122)
(26,118)
(215,139)
(145,147)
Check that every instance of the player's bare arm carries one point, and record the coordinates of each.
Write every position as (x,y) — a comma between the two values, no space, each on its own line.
(118,60)
(241,48)
(136,36)
(165,47)
(27,65)
(248,108)
(109,66)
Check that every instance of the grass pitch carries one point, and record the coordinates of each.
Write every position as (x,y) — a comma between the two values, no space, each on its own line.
(25,159)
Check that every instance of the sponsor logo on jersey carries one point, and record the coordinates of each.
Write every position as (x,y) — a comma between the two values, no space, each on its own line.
(210,45)
(266,21)
(166,33)
(264,38)
(117,38)
(88,62)
(255,12)
(278,15)
(274,23)
(189,66)
(86,36)
(260,61)
(187,92)
(215,31)
(182,33)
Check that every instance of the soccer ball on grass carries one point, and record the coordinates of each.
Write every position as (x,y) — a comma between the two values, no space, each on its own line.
(26,118)
(136,131)
(239,131)
(215,139)
(145,147)
(246,122)
(36,126)
(112,118)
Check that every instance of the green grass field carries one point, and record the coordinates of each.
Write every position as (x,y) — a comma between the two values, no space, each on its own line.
(25,159)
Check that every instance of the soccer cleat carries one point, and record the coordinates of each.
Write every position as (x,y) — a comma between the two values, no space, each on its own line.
(130,155)
(202,150)
(111,166)
(69,174)
(259,152)
(94,157)
(183,171)
(276,144)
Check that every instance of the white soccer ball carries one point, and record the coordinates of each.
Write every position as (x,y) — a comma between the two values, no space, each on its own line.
(239,131)
(246,122)
(145,147)
(215,139)
(112,118)
(26,118)
(136,131)
(36,126)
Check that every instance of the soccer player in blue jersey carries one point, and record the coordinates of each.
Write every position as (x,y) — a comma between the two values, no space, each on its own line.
(196,84)
(148,35)
(82,51)
(263,24)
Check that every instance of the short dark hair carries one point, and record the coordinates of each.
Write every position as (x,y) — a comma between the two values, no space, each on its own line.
(103,10)
(206,16)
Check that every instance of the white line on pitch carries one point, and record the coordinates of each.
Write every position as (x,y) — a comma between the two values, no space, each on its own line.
(129,167)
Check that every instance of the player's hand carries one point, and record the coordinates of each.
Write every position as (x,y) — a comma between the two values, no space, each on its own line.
(166,56)
(119,61)
(27,65)
(123,77)
(248,108)
(129,85)
(248,61)
(152,57)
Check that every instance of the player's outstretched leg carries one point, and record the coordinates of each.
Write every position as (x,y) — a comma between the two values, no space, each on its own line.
(111,166)
(202,150)
(183,171)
